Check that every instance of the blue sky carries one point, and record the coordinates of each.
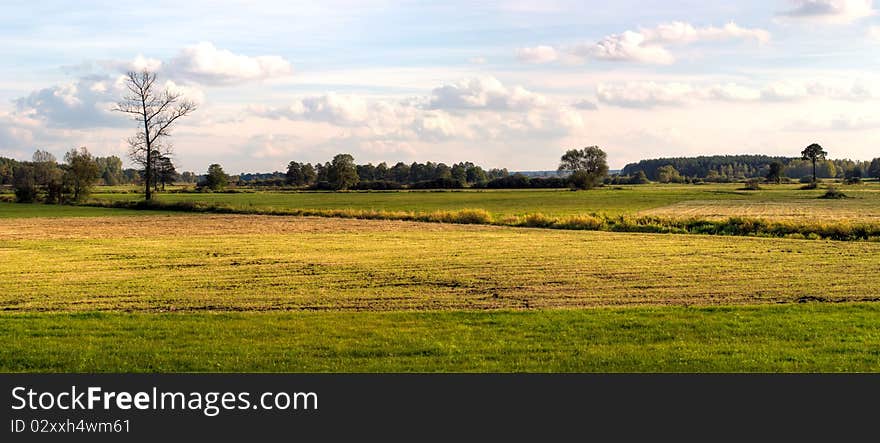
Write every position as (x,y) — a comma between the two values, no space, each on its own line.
(505,84)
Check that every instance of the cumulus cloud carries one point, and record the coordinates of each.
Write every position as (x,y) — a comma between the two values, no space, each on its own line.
(16,134)
(86,102)
(830,11)
(537,54)
(272,145)
(644,94)
(684,33)
(475,108)
(647,45)
(207,64)
(483,93)
(628,46)
(345,110)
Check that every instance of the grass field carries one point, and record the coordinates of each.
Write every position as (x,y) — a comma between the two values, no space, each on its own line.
(787,200)
(803,337)
(243,263)
(100,289)
(15,210)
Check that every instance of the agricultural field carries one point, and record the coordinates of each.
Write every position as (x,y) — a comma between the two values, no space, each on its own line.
(772,202)
(104,289)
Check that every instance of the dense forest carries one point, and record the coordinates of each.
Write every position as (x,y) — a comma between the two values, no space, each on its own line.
(726,168)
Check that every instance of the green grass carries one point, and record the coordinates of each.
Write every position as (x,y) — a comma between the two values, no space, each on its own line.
(792,338)
(234,262)
(611,200)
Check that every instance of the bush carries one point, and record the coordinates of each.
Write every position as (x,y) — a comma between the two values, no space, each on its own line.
(753,184)
(833,193)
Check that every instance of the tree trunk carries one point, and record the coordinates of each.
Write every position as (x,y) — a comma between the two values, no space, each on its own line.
(814,170)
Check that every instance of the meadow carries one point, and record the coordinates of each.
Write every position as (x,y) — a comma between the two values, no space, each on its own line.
(264,263)
(792,338)
(106,289)
(776,200)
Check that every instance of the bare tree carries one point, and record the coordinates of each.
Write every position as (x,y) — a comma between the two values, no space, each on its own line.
(156,110)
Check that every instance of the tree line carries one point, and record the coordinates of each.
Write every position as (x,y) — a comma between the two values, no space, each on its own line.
(731,168)
(343,173)
(110,171)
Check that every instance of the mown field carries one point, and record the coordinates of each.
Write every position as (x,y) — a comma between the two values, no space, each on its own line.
(786,201)
(263,263)
(99,289)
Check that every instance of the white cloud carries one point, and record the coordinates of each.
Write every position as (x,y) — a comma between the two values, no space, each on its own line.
(16,134)
(651,94)
(86,102)
(475,108)
(785,91)
(272,145)
(830,11)
(628,46)
(647,45)
(537,54)
(333,108)
(205,63)
(874,33)
(730,92)
(684,33)
(645,94)
(477,60)
(483,93)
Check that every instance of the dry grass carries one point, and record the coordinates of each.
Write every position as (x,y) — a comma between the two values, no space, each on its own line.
(259,263)
(809,210)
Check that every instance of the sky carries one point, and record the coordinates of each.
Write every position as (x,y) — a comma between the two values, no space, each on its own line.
(509,84)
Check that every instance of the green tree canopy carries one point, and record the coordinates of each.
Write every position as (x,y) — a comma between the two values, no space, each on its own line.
(588,166)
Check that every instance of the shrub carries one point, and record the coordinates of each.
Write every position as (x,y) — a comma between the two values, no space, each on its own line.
(753,184)
(833,193)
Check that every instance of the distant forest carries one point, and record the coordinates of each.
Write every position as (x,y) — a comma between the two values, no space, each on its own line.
(728,168)
(430,175)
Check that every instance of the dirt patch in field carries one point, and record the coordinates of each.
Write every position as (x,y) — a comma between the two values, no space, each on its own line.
(201,225)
